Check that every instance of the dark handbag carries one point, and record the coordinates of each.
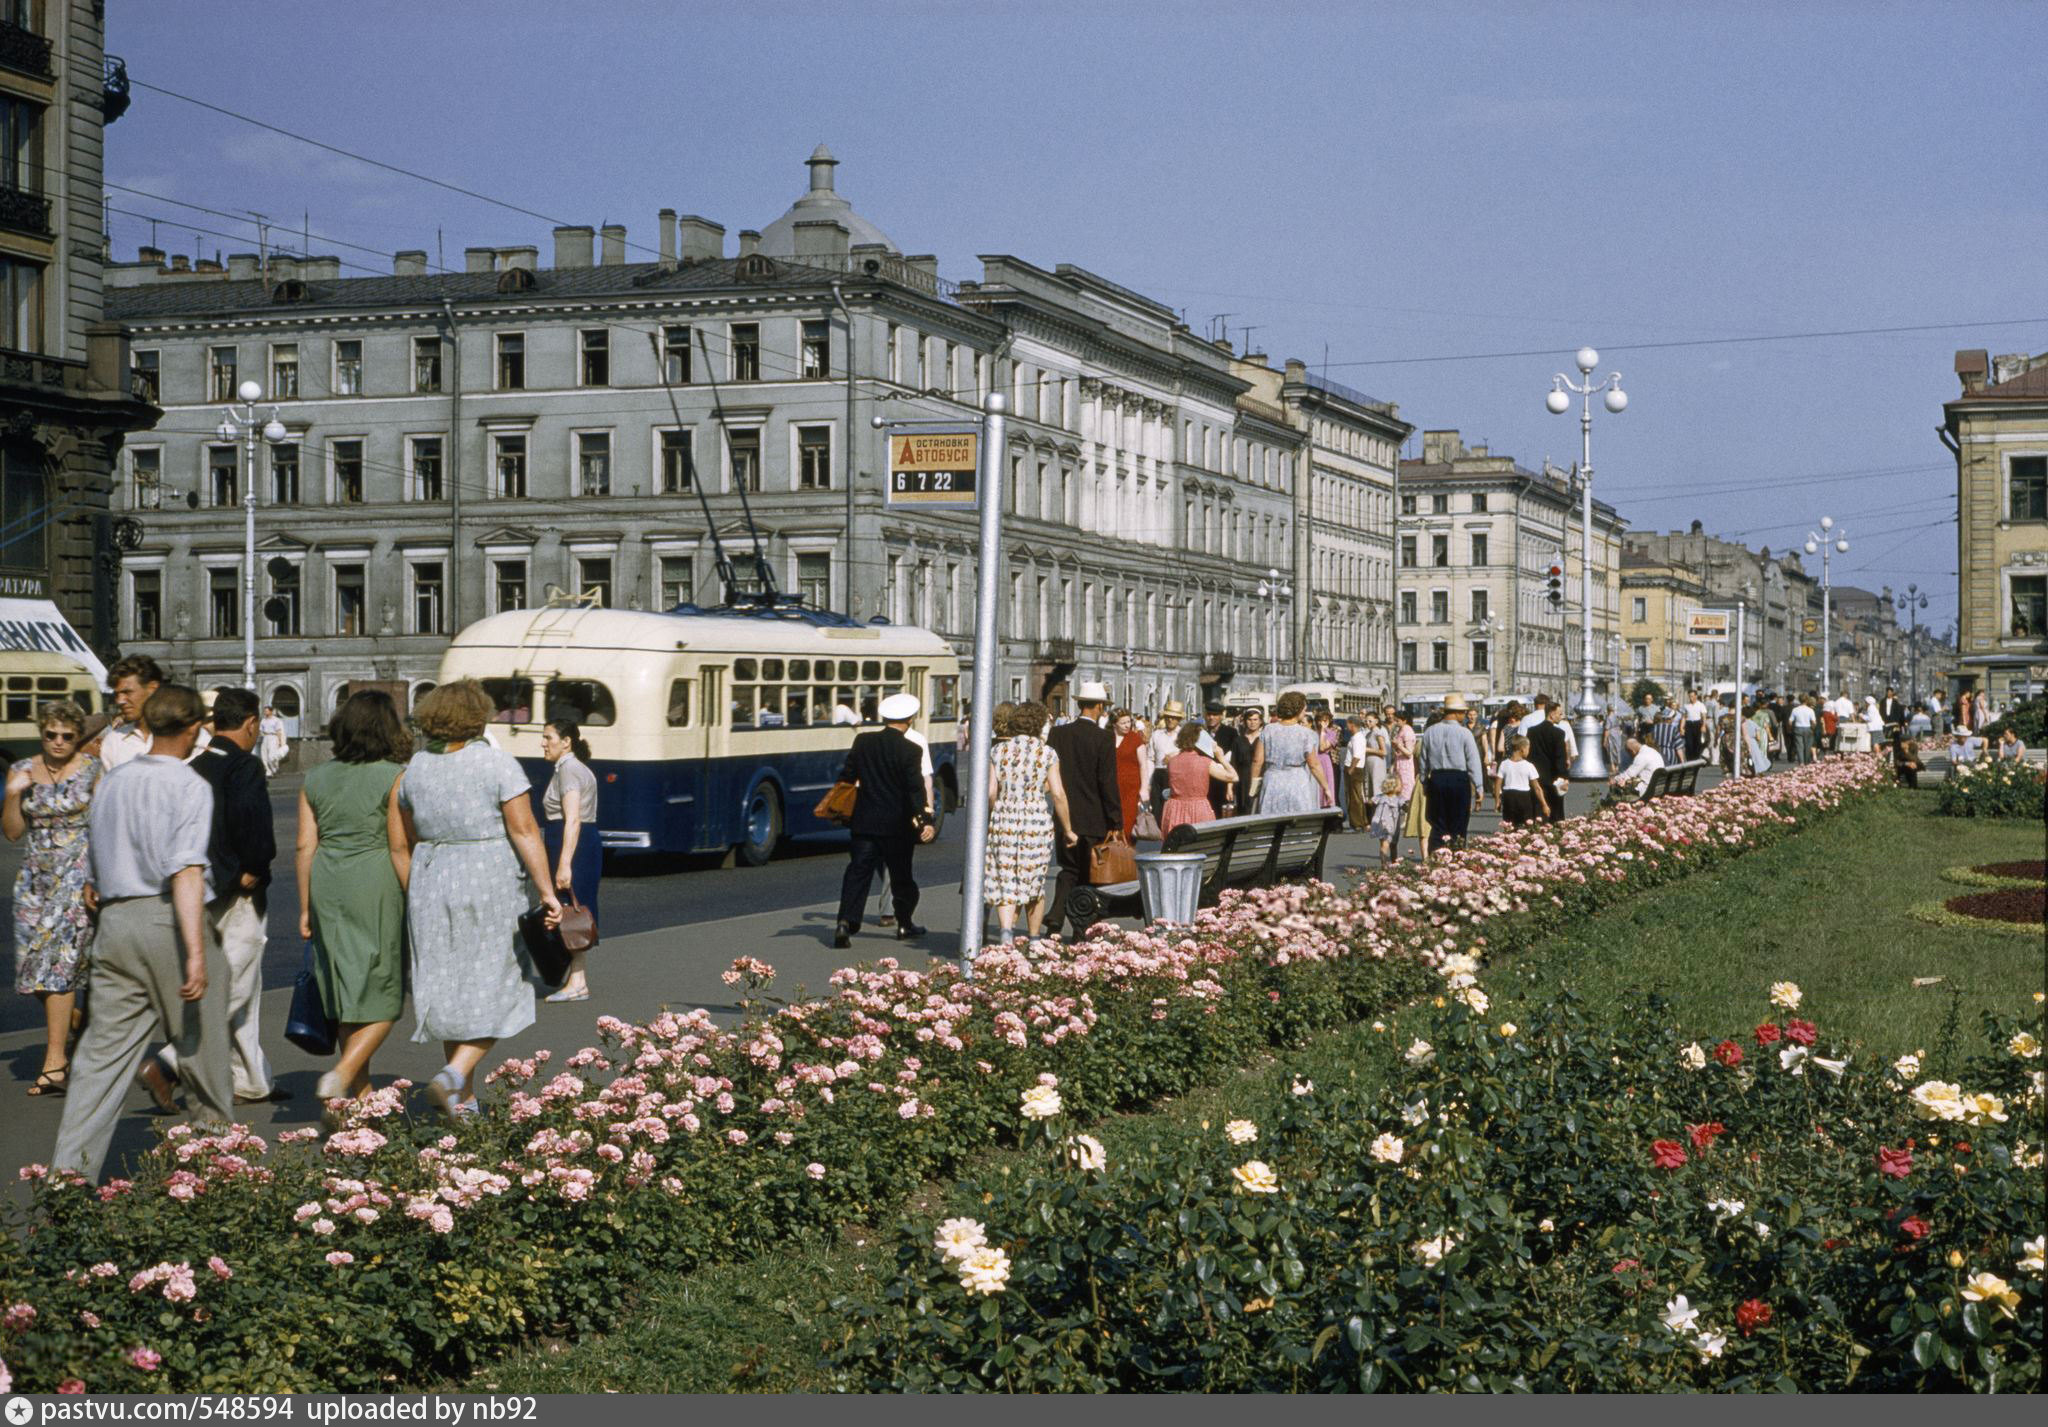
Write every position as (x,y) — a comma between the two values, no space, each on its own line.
(578,928)
(1112,860)
(544,944)
(309,1026)
(837,805)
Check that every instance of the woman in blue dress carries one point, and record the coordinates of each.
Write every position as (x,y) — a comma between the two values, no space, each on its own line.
(1284,761)
(468,811)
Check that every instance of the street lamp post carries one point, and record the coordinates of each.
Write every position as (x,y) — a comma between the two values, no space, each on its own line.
(1910,604)
(1273,590)
(239,422)
(1487,628)
(1591,762)
(1826,542)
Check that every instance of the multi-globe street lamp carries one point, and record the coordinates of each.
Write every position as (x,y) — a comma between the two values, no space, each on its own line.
(1910,604)
(1591,762)
(1273,590)
(239,421)
(1826,542)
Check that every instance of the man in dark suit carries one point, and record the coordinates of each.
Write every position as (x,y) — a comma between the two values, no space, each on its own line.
(1548,751)
(1087,754)
(1895,714)
(1232,747)
(891,816)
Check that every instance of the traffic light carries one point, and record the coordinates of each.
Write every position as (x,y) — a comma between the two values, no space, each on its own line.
(1553,587)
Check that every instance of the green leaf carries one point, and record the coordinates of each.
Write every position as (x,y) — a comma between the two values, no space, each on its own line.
(1973,1323)
(1925,1348)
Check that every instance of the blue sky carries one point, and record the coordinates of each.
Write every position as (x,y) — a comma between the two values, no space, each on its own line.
(1381,183)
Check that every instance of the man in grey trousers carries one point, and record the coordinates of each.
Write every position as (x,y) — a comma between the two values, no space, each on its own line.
(157,967)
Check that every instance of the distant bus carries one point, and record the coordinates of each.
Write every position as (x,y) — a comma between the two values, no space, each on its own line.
(28,680)
(709,730)
(1339,700)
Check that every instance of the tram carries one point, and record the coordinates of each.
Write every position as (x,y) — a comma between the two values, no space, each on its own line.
(709,729)
(1340,701)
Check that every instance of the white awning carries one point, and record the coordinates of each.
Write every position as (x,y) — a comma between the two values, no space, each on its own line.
(36,627)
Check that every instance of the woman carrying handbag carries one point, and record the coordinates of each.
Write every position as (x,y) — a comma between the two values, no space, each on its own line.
(575,850)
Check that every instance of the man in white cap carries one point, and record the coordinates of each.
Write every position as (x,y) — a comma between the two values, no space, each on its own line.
(1162,747)
(1448,765)
(891,816)
(1087,754)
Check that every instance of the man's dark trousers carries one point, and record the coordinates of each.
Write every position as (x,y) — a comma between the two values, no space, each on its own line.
(870,853)
(1448,798)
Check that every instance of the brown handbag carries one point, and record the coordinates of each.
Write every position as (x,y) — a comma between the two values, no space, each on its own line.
(1112,860)
(578,928)
(837,805)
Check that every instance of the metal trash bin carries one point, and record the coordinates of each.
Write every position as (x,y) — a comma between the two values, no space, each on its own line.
(1170,885)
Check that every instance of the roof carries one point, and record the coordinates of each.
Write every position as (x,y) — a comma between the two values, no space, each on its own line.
(699,630)
(822,204)
(205,299)
(1469,470)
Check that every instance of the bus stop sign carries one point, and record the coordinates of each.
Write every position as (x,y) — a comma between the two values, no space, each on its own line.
(934,467)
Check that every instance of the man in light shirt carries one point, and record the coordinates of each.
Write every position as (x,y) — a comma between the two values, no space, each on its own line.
(1451,774)
(1844,709)
(1535,715)
(1162,745)
(1358,789)
(1802,722)
(133,680)
(1644,760)
(1695,726)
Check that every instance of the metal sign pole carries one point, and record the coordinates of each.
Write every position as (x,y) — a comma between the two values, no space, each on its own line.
(987,652)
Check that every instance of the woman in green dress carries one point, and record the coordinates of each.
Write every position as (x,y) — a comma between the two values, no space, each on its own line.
(352,846)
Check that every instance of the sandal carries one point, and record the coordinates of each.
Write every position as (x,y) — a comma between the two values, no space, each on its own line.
(161,1084)
(52,1082)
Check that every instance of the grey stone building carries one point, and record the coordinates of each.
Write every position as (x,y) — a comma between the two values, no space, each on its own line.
(461,442)
(1782,627)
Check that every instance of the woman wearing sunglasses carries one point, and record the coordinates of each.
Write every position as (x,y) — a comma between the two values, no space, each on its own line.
(48,799)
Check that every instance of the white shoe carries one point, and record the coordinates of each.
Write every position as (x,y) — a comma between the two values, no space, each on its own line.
(329,1089)
(444,1089)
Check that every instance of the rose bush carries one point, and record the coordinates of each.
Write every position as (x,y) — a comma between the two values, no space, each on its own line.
(398,1250)
(1990,788)
(1573,1207)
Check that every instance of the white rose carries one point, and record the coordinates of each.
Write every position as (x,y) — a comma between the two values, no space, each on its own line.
(957,1238)
(1416,1114)
(1086,1152)
(1938,1100)
(1786,995)
(1692,1057)
(1039,1102)
(985,1270)
(1421,1053)
(1241,1132)
(2024,1045)
(1387,1149)
(1907,1066)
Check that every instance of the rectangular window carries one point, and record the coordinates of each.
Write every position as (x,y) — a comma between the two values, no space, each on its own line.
(351,600)
(1440,505)
(675,355)
(426,364)
(220,373)
(1407,505)
(511,361)
(223,468)
(1639,658)
(679,703)
(1407,657)
(509,464)
(284,371)
(814,458)
(146,470)
(817,349)
(1407,552)
(21,305)
(282,618)
(1639,609)
(594,463)
(1439,606)
(1440,657)
(147,618)
(889,369)
(743,451)
(678,469)
(348,368)
(594,573)
(145,372)
(597,356)
(224,602)
(1479,508)
(427,590)
(21,125)
(508,584)
(677,584)
(1481,606)
(348,472)
(1479,656)
(1479,551)
(2029,606)
(2027,487)
(746,351)
(1407,606)
(814,580)
(426,468)
(284,473)
(1440,550)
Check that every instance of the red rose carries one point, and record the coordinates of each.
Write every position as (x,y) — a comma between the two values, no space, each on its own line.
(1624,1265)
(1703,1136)
(1728,1053)
(1803,1032)
(1914,1228)
(71,1385)
(1768,1034)
(1896,1164)
(1667,1154)
(1831,1244)
(1752,1315)
(1962,1147)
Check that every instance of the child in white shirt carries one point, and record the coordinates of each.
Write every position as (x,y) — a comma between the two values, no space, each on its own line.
(1521,787)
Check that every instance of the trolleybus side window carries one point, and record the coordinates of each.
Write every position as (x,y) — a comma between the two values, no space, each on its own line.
(511,700)
(679,703)
(586,701)
(945,696)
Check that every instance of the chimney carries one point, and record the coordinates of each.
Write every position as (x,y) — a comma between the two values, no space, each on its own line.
(614,239)
(668,237)
(1973,366)
(1222,344)
(2005,368)
(750,242)
(412,262)
(180,263)
(699,239)
(150,255)
(283,266)
(926,263)
(324,269)
(1440,448)
(526,257)
(820,238)
(572,247)
(479,260)
(1297,371)
(242,266)
(207,265)
(1256,359)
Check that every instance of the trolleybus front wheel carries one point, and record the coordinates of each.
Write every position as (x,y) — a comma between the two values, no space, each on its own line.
(764,827)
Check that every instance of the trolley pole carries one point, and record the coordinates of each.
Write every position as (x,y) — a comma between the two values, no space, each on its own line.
(987,654)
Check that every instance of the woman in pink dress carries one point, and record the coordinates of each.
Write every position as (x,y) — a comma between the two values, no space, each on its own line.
(1187,780)
(1326,746)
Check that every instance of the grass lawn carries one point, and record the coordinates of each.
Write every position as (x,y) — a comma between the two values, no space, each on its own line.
(1826,909)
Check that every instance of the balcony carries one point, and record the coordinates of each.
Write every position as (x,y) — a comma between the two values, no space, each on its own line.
(24,212)
(1221,666)
(1054,651)
(25,51)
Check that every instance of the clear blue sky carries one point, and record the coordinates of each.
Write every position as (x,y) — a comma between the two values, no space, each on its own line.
(1384,182)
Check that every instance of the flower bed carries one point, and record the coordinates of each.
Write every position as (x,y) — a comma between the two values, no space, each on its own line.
(396,1251)
(1989,788)
(1999,874)
(2020,906)
(1551,1206)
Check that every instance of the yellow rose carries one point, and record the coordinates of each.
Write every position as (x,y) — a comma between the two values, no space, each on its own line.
(1255,1177)
(1990,1288)
(1509,1029)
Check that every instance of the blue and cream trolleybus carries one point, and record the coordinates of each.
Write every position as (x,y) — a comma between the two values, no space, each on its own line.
(709,729)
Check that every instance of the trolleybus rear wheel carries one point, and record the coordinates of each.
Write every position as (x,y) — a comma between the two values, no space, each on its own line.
(764,826)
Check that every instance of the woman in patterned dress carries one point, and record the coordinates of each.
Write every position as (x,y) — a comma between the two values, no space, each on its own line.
(1284,761)
(48,799)
(1188,774)
(1023,772)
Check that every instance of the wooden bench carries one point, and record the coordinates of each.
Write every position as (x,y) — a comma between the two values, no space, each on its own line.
(1674,780)
(1254,851)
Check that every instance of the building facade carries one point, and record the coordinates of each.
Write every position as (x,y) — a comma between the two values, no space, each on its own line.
(1478,536)
(460,443)
(1658,601)
(65,397)
(1997,430)
(1778,601)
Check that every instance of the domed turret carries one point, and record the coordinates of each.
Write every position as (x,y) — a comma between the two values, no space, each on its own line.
(822,204)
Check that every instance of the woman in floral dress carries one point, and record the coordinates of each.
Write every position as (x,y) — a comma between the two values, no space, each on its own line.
(1285,764)
(1023,772)
(48,800)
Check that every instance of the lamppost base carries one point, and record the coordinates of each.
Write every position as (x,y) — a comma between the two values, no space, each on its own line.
(1590,762)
